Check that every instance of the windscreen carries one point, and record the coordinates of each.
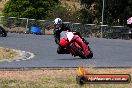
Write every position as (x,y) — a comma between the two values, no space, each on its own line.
(63,34)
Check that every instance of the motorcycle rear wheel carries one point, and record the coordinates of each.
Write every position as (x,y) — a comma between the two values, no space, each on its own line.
(90,55)
(79,51)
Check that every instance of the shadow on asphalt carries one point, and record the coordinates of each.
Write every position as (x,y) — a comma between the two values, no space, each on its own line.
(78,58)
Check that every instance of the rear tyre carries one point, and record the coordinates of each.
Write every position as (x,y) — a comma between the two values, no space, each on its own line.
(90,55)
(79,52)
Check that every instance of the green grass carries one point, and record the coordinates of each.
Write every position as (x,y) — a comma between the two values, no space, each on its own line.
(52,81)
(7,83)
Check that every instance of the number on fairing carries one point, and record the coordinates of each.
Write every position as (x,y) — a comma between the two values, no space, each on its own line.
(70,35)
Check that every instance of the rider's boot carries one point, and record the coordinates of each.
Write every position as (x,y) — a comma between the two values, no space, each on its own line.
(61,50)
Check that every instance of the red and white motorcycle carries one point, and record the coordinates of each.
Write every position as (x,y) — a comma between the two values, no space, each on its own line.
(75,45)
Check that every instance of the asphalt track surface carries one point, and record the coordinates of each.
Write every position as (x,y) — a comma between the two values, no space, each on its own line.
(107,52)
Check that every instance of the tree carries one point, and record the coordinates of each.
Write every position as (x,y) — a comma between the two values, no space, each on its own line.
(116,11)
(66,14)
(90,12)
(34,9)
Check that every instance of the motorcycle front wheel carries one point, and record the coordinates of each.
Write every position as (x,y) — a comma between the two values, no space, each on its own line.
(2,32)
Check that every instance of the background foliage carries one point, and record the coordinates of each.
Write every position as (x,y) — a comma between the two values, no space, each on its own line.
(33,9)
(116,11)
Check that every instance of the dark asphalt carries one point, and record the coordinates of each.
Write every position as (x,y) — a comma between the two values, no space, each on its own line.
(107,52)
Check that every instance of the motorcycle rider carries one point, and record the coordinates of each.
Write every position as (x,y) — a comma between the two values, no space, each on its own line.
(59,27)
(129,25)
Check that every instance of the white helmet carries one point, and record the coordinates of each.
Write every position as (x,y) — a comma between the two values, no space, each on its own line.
(57,21)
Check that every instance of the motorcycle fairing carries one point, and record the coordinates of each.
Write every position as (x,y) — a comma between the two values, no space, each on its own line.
(66,34)
(70,35)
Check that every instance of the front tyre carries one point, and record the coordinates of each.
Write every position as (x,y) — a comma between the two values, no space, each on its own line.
(3,32)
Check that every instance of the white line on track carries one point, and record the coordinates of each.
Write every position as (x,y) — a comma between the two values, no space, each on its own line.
(22,55)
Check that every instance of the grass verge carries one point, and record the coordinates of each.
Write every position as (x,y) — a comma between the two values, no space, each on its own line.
(45,78)
(6,53)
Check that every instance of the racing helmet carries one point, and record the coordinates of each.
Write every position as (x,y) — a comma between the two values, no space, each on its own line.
(57,23)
